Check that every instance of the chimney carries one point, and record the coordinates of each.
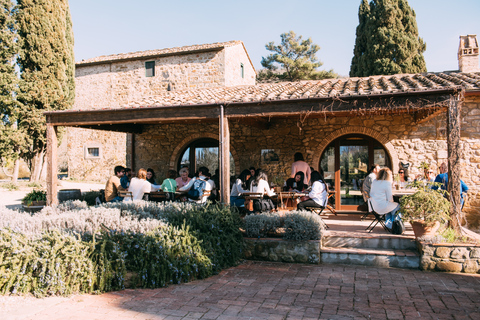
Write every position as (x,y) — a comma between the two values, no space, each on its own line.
(468,54)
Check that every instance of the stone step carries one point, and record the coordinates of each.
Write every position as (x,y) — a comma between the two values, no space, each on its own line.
(374,242)
(384,258)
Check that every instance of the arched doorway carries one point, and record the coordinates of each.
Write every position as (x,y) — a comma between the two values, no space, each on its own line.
(202,152)
(345,162)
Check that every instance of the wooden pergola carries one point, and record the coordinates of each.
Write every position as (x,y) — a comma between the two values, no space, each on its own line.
(424,104)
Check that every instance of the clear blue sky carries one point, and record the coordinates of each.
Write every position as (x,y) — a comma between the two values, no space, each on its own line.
(105,27)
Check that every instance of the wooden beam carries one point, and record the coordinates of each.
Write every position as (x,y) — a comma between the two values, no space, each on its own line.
(454,156)
(127,127)
(52,165)
(224,138)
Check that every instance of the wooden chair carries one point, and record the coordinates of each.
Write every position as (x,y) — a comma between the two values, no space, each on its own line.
(157,196)
(126,194)
(249,197)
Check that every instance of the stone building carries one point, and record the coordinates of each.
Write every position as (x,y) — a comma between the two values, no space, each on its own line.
(341,125)
(114,80)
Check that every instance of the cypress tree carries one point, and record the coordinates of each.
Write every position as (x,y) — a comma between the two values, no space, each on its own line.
(387,40)
(47,65)
(12,140)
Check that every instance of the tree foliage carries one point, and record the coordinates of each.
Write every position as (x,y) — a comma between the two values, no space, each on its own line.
(46,63)
(387,40)
(295,57)
(9,139)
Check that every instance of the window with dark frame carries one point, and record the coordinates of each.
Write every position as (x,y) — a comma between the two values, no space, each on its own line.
(150,69)
(242,70)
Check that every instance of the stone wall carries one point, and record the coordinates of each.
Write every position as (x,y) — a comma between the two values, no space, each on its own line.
(279,250)
(404,140)
(109,85)
(449,257)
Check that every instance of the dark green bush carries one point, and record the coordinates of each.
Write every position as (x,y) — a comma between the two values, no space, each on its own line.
(218,229)
(90,196)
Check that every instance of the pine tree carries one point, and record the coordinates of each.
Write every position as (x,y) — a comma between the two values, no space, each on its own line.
(387,40)
(47,65)
(297,60)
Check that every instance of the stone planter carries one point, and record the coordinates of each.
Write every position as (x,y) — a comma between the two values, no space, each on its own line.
(35,206)
(421,230)
(279,250)
(69,194)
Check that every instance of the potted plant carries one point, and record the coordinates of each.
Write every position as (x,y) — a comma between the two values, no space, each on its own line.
(35,200)
(426,210)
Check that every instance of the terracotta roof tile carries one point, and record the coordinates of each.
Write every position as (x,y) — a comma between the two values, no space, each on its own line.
(159,52)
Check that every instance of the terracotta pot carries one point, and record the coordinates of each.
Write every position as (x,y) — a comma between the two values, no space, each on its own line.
(420,229)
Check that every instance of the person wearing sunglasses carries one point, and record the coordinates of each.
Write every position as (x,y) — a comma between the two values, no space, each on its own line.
(404,178)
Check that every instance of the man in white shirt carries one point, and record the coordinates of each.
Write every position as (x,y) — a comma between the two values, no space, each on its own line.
(367,183)
(202,171)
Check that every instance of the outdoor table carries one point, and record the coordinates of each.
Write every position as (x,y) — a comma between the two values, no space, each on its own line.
(290,195)
(397,194)
(249,197)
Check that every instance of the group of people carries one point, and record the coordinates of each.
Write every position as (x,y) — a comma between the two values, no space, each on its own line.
(377,189)
(303,177)
(124,179)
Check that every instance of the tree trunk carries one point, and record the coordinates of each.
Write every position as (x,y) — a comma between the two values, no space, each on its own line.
(454,150)
(16,169)
(37,164)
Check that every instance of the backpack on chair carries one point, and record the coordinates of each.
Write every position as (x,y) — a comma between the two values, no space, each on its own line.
(196,191)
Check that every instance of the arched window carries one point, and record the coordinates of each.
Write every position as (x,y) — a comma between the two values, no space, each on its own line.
(202,153)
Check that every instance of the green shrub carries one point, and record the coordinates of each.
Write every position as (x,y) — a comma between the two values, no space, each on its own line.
(302,226)
(10,186)
(258,225)
(34,184)
(35,195)
(218,229)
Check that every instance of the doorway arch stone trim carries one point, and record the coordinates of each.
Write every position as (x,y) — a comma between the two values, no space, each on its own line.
(185,142)
(357,130)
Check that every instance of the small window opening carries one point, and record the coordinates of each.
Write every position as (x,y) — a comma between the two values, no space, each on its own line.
(242,70)
(150,69)
(93,152)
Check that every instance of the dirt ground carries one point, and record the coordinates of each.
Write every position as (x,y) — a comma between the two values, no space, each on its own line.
(13,199)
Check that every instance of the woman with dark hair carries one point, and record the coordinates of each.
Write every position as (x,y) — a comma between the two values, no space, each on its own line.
(151,176)
(296,183)
(318,196)
(300,165)
(239,187)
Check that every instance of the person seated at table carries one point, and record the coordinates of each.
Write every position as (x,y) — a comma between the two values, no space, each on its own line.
(367,183)
(198,183)
(381,197)
(403,177)
(239,187)
(169,185)
(430,176)
(139,186)
(260,184)
(300,165)
(184,179)
(125,180)
(318,196)
(113,185)
(151,176)
(213,193)
(297,183)
(443,179)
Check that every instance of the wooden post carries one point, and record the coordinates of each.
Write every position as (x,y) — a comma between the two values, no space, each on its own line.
(51,165)
(454,155)
(224,159)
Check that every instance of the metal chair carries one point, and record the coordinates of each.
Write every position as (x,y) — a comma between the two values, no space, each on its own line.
(377,218)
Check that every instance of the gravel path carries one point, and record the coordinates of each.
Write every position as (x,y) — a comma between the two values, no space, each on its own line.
(13,199)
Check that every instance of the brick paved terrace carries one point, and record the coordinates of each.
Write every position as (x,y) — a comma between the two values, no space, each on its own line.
(265,290)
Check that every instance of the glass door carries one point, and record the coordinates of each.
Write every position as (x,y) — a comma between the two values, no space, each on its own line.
(345,163)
